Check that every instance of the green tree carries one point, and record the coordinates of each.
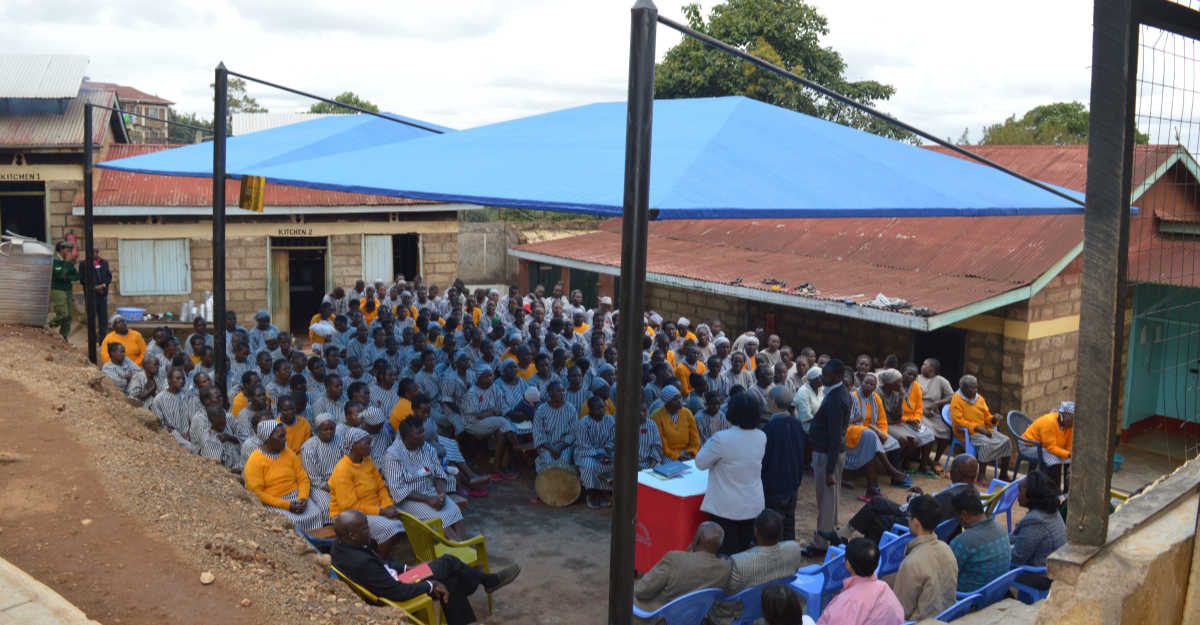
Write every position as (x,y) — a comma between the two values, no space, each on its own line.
(239,101)
(784,32)
(180,134)
(347,97)
(1058,123)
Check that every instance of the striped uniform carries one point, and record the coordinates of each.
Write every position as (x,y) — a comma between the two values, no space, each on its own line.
(249,446)
(578,398)
(380,443)
(233,381)
(275,390)
(316,511)
(554,426)
(210,446)
(453,389)
(430,384)
(335,409)
(708,424)
(592,439)
(319,458)
(117,373)
(243,427)
(406,472)
(542,384)
(478,402)
(174,411)
(384,399)
(510,394)
(650,451)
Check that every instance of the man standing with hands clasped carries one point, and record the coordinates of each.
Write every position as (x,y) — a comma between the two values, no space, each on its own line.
(827,436)
(103,278)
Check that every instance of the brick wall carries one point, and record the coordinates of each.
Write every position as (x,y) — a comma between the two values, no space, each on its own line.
(345,252)
(673,303)
(59,195)
(439,254)
(841,337)
(245,277)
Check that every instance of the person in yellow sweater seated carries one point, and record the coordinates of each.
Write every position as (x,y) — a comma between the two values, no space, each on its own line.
(676,425)
(969,410)
(275,475)
(135,344)
(357,485)
(1055,431)
(324,313)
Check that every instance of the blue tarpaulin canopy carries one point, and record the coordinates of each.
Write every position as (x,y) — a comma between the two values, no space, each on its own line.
(318,137)
(729,157)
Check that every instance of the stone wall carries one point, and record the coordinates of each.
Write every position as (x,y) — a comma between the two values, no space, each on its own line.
(841,337)
(345,254)
(59,195)
(245,277)
(483,252)
(439,258)
(673,303)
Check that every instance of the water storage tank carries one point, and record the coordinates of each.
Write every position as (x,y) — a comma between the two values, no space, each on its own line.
(24,280)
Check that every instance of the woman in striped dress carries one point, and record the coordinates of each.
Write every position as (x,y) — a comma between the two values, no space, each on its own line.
(576,393)
(174,408)
(275,475)
(649,441)
(417,481)
(385,392)
(454,385)
(243,426)
(357,485)
(321,453)
(594,439)
(429,383)
(217,442)
(253,442)
(554,430)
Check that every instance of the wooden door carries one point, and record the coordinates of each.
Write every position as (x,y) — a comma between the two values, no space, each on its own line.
(280,289)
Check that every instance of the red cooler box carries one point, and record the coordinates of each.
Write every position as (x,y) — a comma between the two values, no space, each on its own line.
(668,513)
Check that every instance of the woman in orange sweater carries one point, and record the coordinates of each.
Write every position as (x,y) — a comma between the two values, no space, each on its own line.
(867,440)
(274,473)
(1055,431)
(357,485)
(968,410)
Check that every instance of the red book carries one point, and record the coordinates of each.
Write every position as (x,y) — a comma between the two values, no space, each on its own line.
(416,573)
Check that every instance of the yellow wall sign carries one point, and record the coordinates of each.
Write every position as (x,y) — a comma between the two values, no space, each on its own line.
(251,196)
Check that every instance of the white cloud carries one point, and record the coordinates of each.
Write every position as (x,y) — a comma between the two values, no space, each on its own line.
(954,64)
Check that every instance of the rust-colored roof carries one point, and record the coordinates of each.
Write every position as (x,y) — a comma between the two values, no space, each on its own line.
(118,188)
(126,93)
(940,263)
(49,130)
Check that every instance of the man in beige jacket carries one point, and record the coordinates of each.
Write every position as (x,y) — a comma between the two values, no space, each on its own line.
(928,576)
(681,572)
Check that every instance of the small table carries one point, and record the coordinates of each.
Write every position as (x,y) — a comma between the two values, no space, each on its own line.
(668,513)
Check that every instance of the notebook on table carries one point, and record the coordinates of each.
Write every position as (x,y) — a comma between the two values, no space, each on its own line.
(670,468)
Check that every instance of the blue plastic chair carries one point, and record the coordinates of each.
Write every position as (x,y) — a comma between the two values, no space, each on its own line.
(751,599)
(1018,422)
(817,581)
(899,529)
(1029,594)
(686,610)
(322,545)
(995,590)
(965,443)
(945,529)
(1003,503)
(891,552)
(965,604)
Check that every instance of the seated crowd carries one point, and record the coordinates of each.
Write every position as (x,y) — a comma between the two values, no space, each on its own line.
(404,387)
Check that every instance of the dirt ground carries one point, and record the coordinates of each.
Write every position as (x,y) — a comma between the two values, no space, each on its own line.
(116,517)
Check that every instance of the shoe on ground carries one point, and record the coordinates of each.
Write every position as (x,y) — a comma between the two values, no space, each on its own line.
(506,575)
(813,551)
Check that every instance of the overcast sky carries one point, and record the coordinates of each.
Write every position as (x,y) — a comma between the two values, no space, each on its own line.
(955,65)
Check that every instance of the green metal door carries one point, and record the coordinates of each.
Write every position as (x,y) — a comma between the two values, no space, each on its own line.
(589,283)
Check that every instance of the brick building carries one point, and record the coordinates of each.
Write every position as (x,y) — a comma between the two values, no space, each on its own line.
(156,232)
(41,141)
(1000,295)
(149,129)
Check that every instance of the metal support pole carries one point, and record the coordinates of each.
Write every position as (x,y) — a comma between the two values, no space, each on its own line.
(1105,245)
(220,112)
(631,328)
(89,243)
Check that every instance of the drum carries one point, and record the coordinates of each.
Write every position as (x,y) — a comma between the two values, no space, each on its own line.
(557,487)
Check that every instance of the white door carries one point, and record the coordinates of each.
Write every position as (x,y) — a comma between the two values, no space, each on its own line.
(377,258)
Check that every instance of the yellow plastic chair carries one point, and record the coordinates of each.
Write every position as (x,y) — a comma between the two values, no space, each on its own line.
(429,543)
(422,604)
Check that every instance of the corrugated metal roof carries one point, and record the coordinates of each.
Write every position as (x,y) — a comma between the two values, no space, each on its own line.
(940,263)
(246,123)
(126,93)
(118,188)
(51,76)
(53,131)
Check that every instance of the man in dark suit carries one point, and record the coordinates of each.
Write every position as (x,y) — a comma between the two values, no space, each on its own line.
(827,437)
(452,582)
(681,572)
(103,278)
